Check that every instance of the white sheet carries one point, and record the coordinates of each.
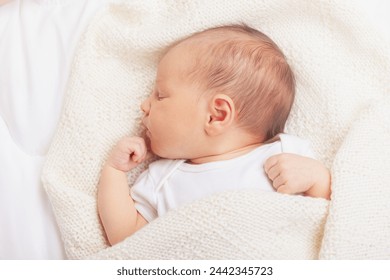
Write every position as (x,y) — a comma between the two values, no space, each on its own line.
(37,40)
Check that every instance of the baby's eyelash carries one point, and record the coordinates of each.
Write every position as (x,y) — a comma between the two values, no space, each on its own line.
(158,96)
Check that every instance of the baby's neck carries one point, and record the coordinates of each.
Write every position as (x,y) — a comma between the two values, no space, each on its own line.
(225,155)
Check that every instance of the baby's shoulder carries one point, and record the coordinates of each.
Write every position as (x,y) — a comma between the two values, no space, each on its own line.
(296,145)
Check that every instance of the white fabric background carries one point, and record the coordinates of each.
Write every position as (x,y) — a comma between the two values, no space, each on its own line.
(37,39)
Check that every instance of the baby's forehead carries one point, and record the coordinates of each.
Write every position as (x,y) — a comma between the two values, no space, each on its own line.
(208,38)
(197,54)
(201,48)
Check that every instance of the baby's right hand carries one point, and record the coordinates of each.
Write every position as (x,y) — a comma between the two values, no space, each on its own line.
(128,153)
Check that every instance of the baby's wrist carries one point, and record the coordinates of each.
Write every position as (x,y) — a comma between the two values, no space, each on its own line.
(111,166)
(321,184)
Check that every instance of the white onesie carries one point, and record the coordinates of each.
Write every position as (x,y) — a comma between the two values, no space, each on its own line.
(169,184)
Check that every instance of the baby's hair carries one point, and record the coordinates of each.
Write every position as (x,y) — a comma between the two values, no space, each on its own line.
(248,66)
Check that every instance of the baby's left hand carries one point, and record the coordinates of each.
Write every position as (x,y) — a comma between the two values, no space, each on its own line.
(293,174)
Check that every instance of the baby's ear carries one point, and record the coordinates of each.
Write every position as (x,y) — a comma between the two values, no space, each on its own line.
(221,114)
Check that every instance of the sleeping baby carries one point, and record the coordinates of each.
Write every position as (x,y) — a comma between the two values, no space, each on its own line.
(216,118)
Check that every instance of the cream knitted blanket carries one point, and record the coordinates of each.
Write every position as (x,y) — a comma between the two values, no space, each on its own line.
(342,68)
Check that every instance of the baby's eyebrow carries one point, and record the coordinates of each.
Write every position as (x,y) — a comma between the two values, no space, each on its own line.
(159,87)
(158,81)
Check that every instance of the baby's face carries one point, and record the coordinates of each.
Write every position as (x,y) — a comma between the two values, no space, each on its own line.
(174,114)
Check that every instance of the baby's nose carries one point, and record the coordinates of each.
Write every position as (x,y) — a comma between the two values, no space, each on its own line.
(145,106)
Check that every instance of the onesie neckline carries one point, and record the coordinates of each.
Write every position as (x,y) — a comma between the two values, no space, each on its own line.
(223,163)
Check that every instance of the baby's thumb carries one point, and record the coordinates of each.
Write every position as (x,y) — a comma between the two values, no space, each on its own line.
(139,155)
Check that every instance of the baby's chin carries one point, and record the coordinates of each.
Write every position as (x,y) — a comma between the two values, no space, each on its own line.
(149,146)
(162,153)
(157,150)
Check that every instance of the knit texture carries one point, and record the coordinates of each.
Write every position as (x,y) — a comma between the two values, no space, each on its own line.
(342,106)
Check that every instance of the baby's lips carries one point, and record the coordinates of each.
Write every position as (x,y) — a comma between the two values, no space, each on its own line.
(144,123)
(145,135)
(145,129)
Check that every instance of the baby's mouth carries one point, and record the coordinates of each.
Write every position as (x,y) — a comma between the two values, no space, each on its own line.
(145,134)
(145,128)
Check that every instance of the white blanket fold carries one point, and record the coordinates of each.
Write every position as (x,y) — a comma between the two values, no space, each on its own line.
(342,69)
(232,225)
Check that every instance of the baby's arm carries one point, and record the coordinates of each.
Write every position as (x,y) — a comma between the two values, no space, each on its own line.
(294,174)
(116,208)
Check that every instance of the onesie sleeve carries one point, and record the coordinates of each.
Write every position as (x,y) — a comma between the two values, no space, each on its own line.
(144,196)
(295,145)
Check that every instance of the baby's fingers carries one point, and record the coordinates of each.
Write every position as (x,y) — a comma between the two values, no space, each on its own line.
(285,189)
(138,150)
(271,162)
